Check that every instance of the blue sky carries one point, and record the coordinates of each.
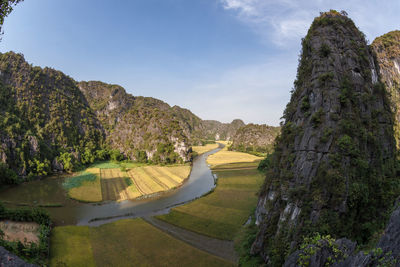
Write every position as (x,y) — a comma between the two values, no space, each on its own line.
(222,59)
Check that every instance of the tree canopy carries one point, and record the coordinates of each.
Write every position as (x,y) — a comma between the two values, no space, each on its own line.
(6,6)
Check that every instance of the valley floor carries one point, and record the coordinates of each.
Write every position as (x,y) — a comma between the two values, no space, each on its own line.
(199,233)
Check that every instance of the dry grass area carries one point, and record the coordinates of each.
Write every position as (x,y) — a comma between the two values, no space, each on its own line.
(222,213)
(130,242)
(154,179)
(116,185)
(203,149)
(224,157)
(25,232)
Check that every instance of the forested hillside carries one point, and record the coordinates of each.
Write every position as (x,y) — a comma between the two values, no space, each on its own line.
(45,119)
(49,123)
(255,138)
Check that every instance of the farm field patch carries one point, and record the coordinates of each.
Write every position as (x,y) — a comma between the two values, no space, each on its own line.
(129,242)
(222,213)
(203,149)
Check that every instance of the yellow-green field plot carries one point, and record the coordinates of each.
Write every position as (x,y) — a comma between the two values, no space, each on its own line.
(115,185)
(224,157)
(203,149)
(153,179)
(112,184)
(129,242)
(85,186)
(222,213)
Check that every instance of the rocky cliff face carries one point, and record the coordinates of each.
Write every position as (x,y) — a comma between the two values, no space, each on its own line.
(324,251)
(333,167)
(135,125)
(42,113)
(387,49)
(255,138)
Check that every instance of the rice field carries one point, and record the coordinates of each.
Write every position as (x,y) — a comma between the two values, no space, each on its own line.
(129,242)
(222,213)
(85,186)
(113,184)
(203,149)
(224,157)
(154,179)
(115,187)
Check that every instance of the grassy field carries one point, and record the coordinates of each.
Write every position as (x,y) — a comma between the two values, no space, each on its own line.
(222,213)
(71,246)
(107,183)
(129,242)
(224,157)
(85,186)
(203,149)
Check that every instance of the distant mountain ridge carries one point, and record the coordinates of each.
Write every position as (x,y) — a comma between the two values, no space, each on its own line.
(49,121)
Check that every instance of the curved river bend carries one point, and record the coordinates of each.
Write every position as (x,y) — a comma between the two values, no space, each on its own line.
(49,190)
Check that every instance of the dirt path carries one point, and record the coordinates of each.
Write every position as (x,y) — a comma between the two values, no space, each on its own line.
(221,248)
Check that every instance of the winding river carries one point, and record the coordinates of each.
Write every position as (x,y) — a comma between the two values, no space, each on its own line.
(50,190)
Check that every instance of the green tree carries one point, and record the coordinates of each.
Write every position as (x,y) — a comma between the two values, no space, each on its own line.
(6,6)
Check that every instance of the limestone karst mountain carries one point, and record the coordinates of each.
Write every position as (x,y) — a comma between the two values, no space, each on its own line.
(333,170)
(255,138)
(50,121)
(387,50)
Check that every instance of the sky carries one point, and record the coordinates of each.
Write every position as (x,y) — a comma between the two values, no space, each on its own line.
(222,59)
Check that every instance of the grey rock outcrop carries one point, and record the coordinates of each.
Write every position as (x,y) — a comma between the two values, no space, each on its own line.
(387,50)
(7,259)
(338,130)
(386,253)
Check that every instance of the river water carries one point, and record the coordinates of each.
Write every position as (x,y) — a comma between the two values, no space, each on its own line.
(50,190)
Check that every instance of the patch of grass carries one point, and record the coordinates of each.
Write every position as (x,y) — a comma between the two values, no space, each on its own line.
(71,246)
(105,165)
(236,165)
(128,181)
(85,187)
(203,149)
(221,213)
(79,179)
(228,157)
(128,242)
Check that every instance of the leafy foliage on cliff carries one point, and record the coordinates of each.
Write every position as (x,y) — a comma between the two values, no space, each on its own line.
(43,115)
(142,128)
(255,139)
(334,169)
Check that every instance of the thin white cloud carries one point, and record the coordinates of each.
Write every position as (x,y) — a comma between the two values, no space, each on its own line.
(284,22)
